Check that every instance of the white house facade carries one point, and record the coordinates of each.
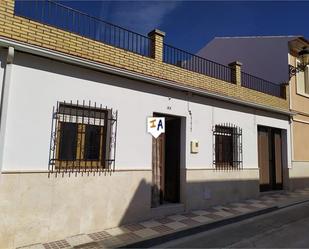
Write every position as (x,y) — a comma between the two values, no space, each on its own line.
(84,202)
(273,58)
(75,153)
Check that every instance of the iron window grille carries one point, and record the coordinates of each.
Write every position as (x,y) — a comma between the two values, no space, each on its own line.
(227,147)
(83,138)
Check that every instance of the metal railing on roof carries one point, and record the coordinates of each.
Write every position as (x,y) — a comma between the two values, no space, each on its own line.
(63,17)
(192,62)
(261,85)
(60,16)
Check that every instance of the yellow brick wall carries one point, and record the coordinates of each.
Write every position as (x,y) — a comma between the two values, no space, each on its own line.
(34,33)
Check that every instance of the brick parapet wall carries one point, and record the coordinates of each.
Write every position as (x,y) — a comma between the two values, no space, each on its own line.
(34,33)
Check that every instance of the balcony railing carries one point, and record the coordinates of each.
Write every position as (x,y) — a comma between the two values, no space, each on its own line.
(63,17)
(60,16)
(261,85)
(192,62)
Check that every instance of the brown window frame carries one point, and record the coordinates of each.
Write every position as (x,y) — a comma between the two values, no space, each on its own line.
(80,159)
(227,147)
(82,118)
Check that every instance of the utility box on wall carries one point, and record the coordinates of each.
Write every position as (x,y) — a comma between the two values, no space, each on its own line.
(194,146)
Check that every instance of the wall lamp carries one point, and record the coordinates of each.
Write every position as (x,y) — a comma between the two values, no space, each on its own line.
(303,55)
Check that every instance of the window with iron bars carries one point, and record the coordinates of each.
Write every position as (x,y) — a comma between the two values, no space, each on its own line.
(83,138)
(227,146)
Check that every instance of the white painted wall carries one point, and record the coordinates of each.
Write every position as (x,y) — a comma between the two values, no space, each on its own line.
(37,84)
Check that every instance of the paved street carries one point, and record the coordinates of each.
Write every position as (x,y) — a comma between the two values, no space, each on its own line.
(272,230)
(286,228)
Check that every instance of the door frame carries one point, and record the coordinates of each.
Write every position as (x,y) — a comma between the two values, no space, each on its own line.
(182,139)
(272,185)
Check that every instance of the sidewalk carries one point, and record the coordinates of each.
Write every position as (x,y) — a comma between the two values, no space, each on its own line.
(155,231)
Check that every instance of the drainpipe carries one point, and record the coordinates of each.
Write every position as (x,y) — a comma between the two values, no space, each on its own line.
(291,117)
(4,100)
(291,130)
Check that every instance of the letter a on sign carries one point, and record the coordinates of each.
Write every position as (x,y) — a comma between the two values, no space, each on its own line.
(155,126)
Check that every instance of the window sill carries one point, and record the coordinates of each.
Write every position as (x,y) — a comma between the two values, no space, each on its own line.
(306,95)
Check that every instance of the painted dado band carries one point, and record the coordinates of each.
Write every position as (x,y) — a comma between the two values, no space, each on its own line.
(112,70)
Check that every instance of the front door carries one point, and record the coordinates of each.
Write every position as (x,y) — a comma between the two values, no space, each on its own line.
(166,163)
(270,158)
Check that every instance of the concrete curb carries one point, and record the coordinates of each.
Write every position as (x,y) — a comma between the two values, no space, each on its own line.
(197,229)
(292,204)
(206,227)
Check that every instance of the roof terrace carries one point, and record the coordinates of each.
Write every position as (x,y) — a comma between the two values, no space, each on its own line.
(49,29)
(63,17)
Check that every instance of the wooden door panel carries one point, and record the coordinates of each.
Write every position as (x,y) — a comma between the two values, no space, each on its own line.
(166,163)
(158,161)
(263,156)
(278,157)
(270,158)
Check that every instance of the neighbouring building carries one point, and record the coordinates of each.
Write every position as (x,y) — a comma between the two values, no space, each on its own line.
(75,154)
(273,58)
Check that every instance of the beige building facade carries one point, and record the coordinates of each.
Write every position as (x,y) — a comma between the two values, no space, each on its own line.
(299,104)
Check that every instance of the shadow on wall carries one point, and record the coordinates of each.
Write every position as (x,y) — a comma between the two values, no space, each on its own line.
(299,183)
(54,208)
(3,54)
(197,195)
(200,195)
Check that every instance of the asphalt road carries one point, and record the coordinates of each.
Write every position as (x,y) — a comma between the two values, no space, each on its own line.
(285,228)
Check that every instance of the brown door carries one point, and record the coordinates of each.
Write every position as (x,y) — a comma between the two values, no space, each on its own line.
(158,162)
(263,149)
(166,163)
(278,159)
(270,158)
